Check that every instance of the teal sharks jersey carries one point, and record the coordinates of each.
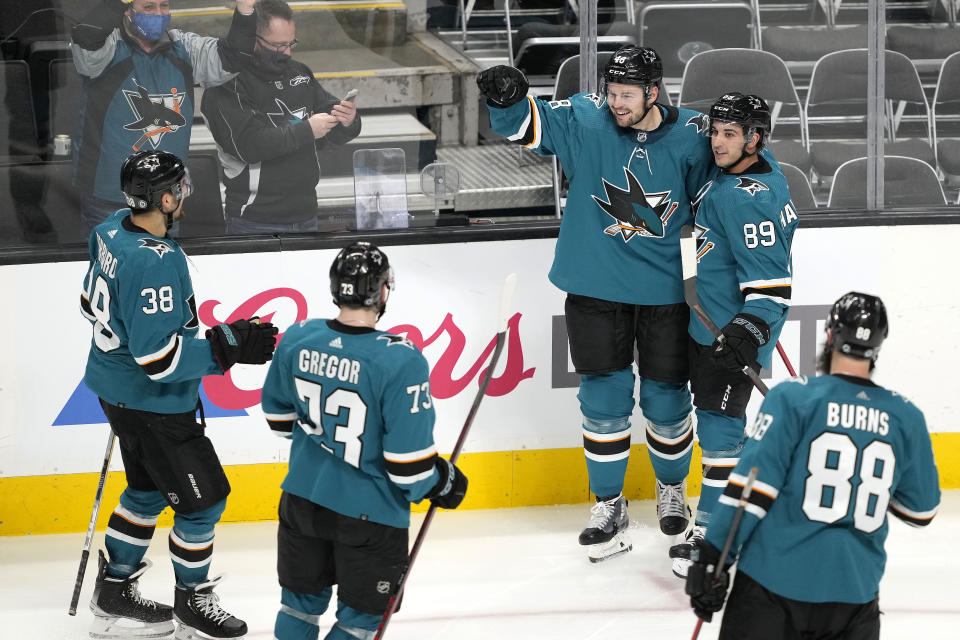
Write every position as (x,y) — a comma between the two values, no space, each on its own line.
(630,192)
(138,296)
(834,455)
(356,403)
(744,226)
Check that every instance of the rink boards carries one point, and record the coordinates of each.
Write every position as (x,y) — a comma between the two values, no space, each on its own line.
(524,448)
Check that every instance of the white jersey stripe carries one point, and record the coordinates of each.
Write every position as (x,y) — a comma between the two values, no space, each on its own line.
(130,516)
(761,296)
(162,352)
(606,437)
(189,546)
(279,417)
(410,479)
(116,535)
(412,456)
(613,457)
(763,284)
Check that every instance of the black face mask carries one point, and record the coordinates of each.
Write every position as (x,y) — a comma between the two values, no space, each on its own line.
(272,61)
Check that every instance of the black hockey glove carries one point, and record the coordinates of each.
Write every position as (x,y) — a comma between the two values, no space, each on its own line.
(706,594)
(502,85)
(741,340)
(247,341)
(450,489)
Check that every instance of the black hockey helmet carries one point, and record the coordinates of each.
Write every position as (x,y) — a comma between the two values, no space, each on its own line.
(749,111)
(857,325)
(358,274)
(634,65)
(147,175)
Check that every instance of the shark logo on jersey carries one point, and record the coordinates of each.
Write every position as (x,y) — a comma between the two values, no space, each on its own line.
(636,212)
(294,81)
(751,186)
(157,114)
(161,248)
(703,244)
(392,340)
(286,115)
(596,99)
(194,320)
(701,122)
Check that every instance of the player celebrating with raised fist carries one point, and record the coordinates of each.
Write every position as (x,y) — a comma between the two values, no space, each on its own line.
(744,223)
(834,454)
(356,403)
(634,166)
(145,364)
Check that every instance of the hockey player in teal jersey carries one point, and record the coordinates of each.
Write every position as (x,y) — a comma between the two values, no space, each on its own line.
(834,455)
(356,404)
(744,222)
(145,364)
(634,167)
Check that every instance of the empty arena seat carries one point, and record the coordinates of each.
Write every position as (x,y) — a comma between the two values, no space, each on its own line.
(946,103)
(680,30)
(907,182)
(203,210)
(836,109)
(38,203)
(801,193)
(66,88)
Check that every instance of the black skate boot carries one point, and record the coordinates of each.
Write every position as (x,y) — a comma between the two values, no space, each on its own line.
(672,509)
(681,552)
(120,612)
(606,533)
(198,611)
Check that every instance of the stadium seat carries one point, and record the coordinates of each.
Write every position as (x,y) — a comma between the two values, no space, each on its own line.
(836,109)
(946,102)
(39,55)
(680,30)
(538,57)
(907,182)
(712,73)
(801,193)
(18,125)
(203,210)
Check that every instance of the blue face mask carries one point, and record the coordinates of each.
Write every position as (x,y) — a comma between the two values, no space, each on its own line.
(150,25)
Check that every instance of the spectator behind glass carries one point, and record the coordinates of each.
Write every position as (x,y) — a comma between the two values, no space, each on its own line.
(139,89)
(267,123)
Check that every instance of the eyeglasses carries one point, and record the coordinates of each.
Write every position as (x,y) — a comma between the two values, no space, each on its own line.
(279,46)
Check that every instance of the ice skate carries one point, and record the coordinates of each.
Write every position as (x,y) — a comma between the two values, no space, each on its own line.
(681,552)
(120,612)
(199,616)
(606,533)
(672,509)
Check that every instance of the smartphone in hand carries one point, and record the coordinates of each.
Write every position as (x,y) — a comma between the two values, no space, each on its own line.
(351,96)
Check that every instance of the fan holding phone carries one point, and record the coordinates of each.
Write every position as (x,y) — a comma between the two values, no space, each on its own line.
(270,123)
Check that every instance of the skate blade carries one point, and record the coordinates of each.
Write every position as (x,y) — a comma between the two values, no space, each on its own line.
(112,627)
(615,546)
(189,633)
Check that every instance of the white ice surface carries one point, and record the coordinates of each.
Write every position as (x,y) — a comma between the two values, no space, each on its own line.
(492,575)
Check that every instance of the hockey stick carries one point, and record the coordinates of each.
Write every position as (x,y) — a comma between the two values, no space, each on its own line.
(688,258)
(734,525)
(786,361)
(506,304)
(93,523)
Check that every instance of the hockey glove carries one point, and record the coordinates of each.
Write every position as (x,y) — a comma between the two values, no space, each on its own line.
(740,341)
(706,594)
(450,489)
(502,85)
(247,341)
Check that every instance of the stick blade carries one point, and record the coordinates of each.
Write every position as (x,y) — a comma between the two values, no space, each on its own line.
(688,259)
(506,302)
